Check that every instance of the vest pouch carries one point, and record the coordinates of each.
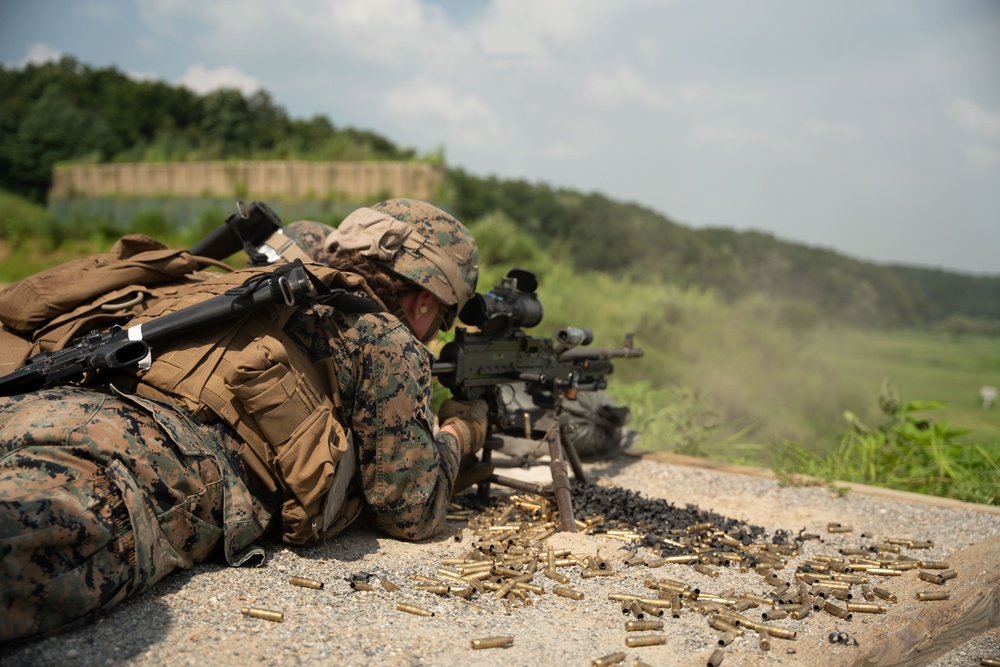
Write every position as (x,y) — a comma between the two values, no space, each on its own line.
(298,423)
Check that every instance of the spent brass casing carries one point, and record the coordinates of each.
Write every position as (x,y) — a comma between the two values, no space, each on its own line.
(636,626)
(884,572)
(948,574)
(930,577)
(726,638)
(413,609)
(989,662)
(361,586)
(303,582)
(615,658)
(650,609)
(884,594)
(715,659)
(867,608)
(774,615)
(764,640)
(934,565)
(704,569)
(800,613)
(493,642)
(555,576)
(681,560)
(645,640)
(562,591)
(834,527)
(868,593)
(437,589)
(263,614)
(721,624)
(389,586)
(595,572)
(924,596)
(834,610)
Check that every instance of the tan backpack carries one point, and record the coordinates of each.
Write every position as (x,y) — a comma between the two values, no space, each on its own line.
(46,310)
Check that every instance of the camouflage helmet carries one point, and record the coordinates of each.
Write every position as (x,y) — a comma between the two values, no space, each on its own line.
(418,241)
(310,237)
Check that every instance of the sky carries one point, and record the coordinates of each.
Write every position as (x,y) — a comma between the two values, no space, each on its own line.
(869,128)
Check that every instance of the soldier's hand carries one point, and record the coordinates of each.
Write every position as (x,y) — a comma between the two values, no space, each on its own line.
(468,418)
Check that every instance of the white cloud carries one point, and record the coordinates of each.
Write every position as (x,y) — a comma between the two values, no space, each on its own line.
(621,88)
(973,117)
(203,80)
(531,31)
(839,129)
(437,104)
(983,156)
(40,53)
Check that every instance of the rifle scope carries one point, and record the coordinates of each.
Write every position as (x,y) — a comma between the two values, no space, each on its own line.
(510,304)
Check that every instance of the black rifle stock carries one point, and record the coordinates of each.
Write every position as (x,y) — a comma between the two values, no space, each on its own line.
(481,365)
(120,348)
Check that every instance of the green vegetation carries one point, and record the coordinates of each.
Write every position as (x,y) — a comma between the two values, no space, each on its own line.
(908,451)
(754,346)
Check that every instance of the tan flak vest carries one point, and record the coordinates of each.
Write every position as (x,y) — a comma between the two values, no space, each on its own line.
(250,375)
(283,407)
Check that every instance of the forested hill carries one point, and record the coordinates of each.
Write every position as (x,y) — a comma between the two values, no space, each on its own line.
(68,111)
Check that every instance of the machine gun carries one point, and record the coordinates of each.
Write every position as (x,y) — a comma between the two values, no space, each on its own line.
(120,348)
(481,365)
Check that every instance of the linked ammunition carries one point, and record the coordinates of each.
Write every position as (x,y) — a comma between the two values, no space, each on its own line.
(924,596)
(634,626)
(611,659)
(263,614)
(493,642)
(413,609)
(867,608)
(715,659)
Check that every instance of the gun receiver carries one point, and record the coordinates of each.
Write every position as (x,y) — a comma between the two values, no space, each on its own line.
(480,365)
(247,229)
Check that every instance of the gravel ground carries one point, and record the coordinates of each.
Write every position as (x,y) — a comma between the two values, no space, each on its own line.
(193,617)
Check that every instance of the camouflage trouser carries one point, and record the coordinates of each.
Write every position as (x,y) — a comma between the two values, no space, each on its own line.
(100,497)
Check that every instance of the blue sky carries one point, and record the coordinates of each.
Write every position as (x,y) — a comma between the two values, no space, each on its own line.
(872,128)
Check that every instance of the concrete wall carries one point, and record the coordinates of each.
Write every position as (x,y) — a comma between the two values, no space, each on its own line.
(293,179)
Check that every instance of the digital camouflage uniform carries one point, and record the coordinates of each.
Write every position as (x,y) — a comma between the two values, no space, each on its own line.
(102,494)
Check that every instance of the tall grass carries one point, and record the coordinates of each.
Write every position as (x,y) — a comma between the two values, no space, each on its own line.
(909,450)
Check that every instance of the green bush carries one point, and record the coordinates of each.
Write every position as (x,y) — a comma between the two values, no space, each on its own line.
(908,451)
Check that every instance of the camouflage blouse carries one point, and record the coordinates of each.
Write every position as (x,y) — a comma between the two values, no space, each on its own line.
(407,471)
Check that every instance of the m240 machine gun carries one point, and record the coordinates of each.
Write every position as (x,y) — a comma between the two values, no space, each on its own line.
(484,363)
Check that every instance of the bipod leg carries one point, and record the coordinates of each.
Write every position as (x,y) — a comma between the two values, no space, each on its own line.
(560,481)
(574,461)
(483,489)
